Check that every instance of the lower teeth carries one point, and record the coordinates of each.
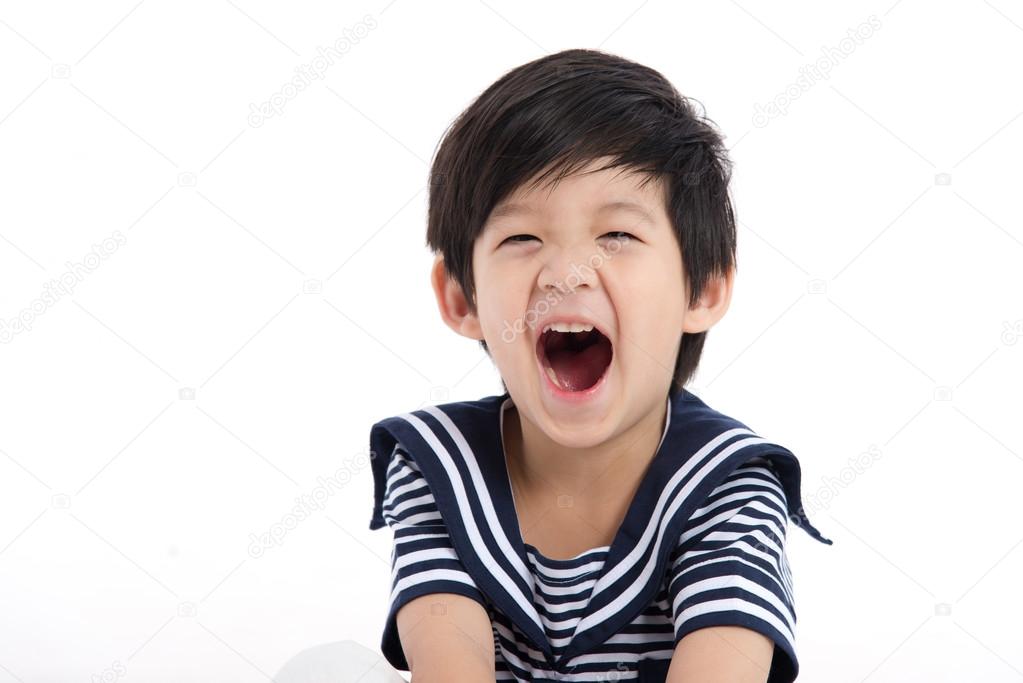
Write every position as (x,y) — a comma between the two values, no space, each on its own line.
(554,376)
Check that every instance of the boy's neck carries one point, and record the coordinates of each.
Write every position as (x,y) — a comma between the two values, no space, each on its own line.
(595,476)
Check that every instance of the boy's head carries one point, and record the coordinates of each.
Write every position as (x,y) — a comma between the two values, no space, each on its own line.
(559,138)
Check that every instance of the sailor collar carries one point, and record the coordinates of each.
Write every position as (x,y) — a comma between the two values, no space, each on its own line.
(458,447)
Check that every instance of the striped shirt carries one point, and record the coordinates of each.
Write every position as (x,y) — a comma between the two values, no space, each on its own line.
(702,544)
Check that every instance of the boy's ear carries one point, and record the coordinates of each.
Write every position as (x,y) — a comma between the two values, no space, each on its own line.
(454,308)
(712,305)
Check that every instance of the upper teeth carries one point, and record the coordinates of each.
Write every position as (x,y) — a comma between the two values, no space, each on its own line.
(567,327)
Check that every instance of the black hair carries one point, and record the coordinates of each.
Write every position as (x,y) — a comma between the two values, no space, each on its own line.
(554,115)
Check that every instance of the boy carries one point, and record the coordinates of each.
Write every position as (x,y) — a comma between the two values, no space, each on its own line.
(596,520)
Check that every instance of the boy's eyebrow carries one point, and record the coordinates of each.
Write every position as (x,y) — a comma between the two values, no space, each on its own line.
(625,205)
(512,208)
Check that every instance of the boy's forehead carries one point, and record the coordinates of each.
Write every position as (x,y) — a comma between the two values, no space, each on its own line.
(606,191)
(640,207)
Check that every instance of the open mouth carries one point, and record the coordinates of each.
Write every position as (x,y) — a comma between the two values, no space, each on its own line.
(574,361)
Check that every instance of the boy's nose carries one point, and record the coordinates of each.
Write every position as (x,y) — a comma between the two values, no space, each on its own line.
(567,269)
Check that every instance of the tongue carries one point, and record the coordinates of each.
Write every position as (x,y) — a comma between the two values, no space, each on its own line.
(579,370)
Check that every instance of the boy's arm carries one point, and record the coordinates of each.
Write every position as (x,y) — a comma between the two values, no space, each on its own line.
(722,654)
(447,637)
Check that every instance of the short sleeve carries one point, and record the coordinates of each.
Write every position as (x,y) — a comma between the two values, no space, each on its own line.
(423,560)
(730,566)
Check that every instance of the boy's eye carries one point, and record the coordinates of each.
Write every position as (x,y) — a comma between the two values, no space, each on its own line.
(513,238)
(621,234)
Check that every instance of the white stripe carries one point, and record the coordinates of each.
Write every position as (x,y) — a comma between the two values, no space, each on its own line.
(430,575)
(559,608)
(640,639)
(416,520)
(623,668)
(562,591)
(596,677)
(563,625)
(570,573)
(425,556)
(417,537)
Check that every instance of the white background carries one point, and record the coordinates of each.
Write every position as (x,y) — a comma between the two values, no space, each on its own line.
(268,300)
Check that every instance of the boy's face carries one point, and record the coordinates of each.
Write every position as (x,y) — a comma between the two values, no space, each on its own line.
(570,259)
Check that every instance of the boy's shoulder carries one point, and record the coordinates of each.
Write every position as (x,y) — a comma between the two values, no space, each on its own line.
(447,441)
